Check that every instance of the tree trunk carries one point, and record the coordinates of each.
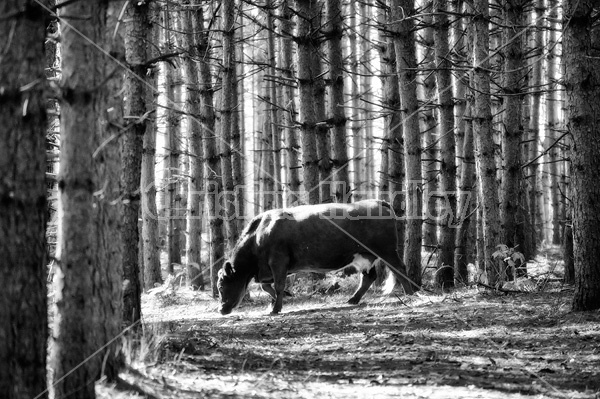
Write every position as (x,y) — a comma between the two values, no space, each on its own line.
(214,183)
(486,148)
(463,133)
(406,63)
(237,127)
(307,45)
(366,86)
(173,149)
(23,207)
(131,152)
(536,202)
(395,172)
(88,284)
(357,144)
(322,129)
(150,247)
(195,202)
(289,115)
(553,107)
(430,164)
(339,159)
(445,276)
(514,76)
(228,75)
(581,57)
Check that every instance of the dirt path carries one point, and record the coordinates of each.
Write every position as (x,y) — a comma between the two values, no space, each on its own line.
(465,345)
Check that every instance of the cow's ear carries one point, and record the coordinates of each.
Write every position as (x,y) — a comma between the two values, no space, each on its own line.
(228,268)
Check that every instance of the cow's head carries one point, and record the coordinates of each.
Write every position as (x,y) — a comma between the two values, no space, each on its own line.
(232,287)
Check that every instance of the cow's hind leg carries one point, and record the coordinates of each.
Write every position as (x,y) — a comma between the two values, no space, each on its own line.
(279,266)
(266,287)
(367,278)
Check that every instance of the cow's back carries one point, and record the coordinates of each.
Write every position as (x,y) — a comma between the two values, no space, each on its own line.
(328,236)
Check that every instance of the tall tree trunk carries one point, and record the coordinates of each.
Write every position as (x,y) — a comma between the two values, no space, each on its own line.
(514,76)
(445,276)
(395,173)
(88,282)
(214,184)
(536,193)
(307,45)
(289,115)
(132,147)
(366,86)
(430,165)
(150,247)
(357,144)
(463,134)
(195,202)
(322,129)
(485,148)
(581,57)
(228,75)
(273,108)
(465,207)
(337,112)
(173,148)
(237,127)
(406,63)
(23,207)
(553,106)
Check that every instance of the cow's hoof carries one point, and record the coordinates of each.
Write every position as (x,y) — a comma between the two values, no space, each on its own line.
(353,301)
(274,313)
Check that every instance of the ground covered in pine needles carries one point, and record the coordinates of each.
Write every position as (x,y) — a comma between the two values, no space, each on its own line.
(471,343)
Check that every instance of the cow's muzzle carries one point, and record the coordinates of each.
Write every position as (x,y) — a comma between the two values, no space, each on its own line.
(225,310)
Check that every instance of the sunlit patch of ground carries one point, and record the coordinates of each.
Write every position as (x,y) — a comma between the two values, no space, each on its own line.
(467,344)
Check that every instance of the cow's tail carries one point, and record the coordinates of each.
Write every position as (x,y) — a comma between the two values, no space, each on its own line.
(389,284)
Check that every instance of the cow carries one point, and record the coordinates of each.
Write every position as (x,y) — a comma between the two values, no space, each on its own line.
(318,238)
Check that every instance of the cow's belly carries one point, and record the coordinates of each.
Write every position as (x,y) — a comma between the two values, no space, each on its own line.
(358,261)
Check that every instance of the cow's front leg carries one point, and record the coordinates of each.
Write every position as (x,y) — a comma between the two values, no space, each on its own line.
(278,266)
(367,278)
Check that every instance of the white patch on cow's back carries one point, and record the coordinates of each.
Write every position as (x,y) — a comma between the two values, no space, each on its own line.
(361,263)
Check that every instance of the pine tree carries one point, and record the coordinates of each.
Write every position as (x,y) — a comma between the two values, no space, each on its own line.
(581,57)
(485,146)
(337,112)
(88,283)
(445,130)
(406,63)
(23,206)
(195,200)
(307,45)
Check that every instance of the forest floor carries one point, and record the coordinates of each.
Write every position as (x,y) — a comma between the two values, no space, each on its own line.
(470,343)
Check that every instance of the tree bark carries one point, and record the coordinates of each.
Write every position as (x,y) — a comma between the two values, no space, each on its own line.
(289,115)
(514,76)
(536,193)
(173,149)
(485,147)
(150,247)
(357,143)
(195,200)
(445,128)
(406,64)
(131,151)
(214,184)
(581,57)
(23,207)
(307,45)
(88,283)
(337,113)
(228,74)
